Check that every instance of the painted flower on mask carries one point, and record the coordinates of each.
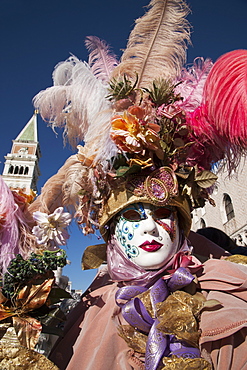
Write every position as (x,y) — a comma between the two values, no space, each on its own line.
(131,133)
(51,228)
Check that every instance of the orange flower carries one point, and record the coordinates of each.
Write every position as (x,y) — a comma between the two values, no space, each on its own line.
(132,134)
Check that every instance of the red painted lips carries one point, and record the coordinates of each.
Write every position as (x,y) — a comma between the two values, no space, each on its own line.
(150,246)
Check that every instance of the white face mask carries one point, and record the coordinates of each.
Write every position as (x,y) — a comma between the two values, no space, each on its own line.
(149,235)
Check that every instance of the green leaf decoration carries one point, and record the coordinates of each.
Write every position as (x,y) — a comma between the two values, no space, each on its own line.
(205,179)
(125,170)
(164,146)
(121,160)
(57,294)
(162,92)
(120,89)
(183,175)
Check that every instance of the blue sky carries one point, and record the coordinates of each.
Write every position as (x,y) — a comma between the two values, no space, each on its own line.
(36,35)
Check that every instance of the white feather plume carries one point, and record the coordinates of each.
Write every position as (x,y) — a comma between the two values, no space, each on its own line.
(75,100)
(63,71)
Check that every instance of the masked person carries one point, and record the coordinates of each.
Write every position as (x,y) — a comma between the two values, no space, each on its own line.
(152,130)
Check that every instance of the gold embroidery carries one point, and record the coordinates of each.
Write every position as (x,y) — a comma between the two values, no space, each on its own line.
(134,339)
(175,363)
(237,258)
(145,298)
(14,357)
(177,316)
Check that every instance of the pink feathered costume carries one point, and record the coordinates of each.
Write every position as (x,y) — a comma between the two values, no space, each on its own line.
(91,340)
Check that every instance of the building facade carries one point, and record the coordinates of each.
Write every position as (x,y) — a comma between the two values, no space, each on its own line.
(230,213)
(21,168)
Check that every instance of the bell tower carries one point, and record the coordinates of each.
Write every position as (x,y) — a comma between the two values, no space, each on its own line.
(21,168)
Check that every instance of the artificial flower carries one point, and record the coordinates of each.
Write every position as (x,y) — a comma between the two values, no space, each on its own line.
(132,134)
(51,228)
(169,111)
(83,157)
(186,260)
(22,198)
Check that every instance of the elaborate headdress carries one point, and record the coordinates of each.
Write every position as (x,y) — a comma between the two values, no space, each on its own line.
(150,130)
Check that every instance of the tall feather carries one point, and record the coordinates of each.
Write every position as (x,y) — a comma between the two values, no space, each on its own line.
(98,143)
(101,60)
(75,180)
(74,104)
(157,44)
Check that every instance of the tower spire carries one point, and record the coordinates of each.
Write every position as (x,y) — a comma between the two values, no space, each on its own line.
(21,168)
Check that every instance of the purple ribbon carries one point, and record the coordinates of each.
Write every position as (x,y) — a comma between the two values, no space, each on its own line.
(156,345)
(136,314)
(181,350)
(127,292)
(180,279)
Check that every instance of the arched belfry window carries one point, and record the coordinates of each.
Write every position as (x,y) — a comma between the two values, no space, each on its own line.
(11,169)
(21,170)
(26,171)
(228,207)
(16,170)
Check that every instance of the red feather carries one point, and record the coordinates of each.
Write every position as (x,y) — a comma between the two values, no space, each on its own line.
(225,96)
(220,122)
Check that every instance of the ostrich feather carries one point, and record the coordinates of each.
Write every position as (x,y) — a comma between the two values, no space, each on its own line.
(101,60)
(63,71)
(220,122)
(51,196)
(225,97)
(157,44)
(193,80)
(97,140)
(72,106)
(75,181)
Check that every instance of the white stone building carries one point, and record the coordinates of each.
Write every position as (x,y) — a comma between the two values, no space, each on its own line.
(230,213)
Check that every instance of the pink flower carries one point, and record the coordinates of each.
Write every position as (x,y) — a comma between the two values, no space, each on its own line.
(186,260)
(169,111)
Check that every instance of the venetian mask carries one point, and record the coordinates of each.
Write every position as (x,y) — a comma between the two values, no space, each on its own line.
(149,235)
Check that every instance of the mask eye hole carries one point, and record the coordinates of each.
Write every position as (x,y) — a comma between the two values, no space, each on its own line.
(132,215)
(162,212)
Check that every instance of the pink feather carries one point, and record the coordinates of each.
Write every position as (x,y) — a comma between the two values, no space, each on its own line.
(220,122)
(193,79)
(225,97)
(15,235)
(101,60)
